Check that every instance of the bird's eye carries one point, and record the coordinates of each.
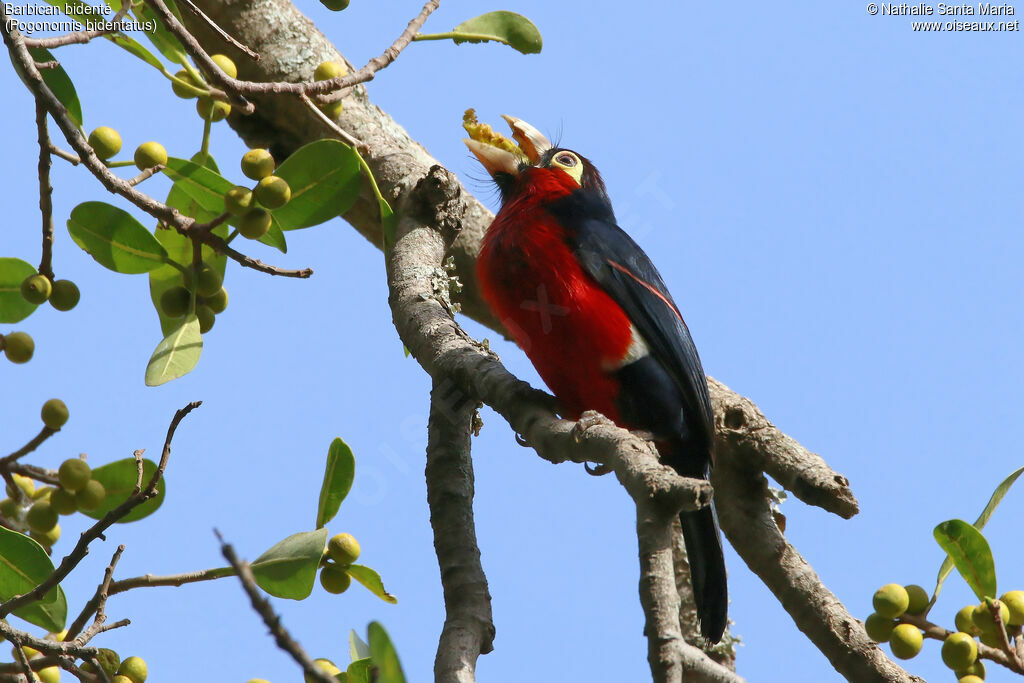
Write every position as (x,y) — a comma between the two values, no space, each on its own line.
(566,159)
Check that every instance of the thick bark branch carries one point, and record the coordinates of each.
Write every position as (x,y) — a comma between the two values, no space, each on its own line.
(468,627)
(741,495)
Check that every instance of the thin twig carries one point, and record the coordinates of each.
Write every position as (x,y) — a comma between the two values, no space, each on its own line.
(332,124)
(81,549)
(273,622)
(146,175)
(45,193)
(219,31)
(65,155)
(81,37)
(468,625)
(96,605)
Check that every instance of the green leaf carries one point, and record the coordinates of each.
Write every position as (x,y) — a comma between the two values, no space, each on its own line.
(986,514)
(176,355)
(325,179)
(13,307)
(206,160)
(162,39)
(359,670)
(119,479)
(114,238)
(384,656)
(23,566)
(288,570)
(971,555)
(357,647)
(341,470)
(58,81)
(371,580)
(509,28)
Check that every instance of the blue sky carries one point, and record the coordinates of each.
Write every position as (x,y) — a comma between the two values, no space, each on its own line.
(834,201)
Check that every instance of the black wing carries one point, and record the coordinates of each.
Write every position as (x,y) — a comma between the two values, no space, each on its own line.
(626,273)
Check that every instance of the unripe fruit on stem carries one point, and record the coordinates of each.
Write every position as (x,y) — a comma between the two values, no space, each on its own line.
(919,599)
(905,641)
(212,110)
(48,538)
(109,660)
(180,91)
(992,639)
(121,679)
(225,64)
(343,549)
(328,70)
(959,651)
(255,224)
(238,200)
(43,493)
(218,302)
(257,164)
(134,669)
(982,617)
(54,413)
(970,678)
(335,579)
(273,192)
(91,496)
(63,501)
(976,669)
(10,509)
(50,674)
(150,154)
(1014,601)
(65,295)
(175,302)
(30,652)
(41,517)
(964,621)
(891,600)
(335,5)
(879,628)
(208,281)
(325,665)
(19,347)
(27,486)
(74,474)
(36,289)
(105,142)
(334,109)
(206,318)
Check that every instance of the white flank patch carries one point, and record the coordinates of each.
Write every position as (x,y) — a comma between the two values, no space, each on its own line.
(637,350)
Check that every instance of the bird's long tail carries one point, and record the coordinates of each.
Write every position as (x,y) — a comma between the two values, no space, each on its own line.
(707,570)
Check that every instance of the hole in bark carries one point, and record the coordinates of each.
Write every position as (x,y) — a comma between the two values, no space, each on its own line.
(734,418)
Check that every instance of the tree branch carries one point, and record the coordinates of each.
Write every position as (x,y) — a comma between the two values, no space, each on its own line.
(45,193)
(741,496)
(468,627)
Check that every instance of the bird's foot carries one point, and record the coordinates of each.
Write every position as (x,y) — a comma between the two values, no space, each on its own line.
(590,418)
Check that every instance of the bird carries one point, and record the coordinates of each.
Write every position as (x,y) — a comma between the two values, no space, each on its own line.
(592,313)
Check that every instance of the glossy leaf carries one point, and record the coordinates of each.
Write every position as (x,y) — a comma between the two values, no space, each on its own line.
(58,81)
(324,177)
(359,670)
(23,566)
(13,307)
(502,26)
(176,355)
(114,238)
(986,514)
(288,570)
(971,555)
(341,470)
(388,224)
(162,39)
(384,656)
(119,479)
(371,579)
(357,647)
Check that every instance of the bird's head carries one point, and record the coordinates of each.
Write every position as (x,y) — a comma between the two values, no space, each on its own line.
(529,160)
